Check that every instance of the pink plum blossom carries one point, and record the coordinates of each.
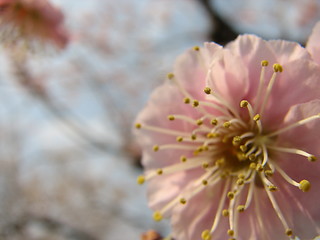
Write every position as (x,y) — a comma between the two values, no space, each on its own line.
(230,142)
(30,20)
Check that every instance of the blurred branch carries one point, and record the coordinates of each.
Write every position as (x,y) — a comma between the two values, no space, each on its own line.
(221,32)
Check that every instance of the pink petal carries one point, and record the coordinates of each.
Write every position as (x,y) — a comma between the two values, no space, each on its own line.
(228,77)
(298,83)
(191,68)
(190,220)
(288,51)
(306,138)
(313,44)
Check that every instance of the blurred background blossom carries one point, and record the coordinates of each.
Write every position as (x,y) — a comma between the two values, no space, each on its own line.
(68,159)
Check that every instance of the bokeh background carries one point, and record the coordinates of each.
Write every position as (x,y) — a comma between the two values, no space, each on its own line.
(68,160)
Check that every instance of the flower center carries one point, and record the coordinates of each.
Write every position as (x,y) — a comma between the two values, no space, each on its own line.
(234,151)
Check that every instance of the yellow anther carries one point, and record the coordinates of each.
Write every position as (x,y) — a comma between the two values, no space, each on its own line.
(183,159)
(199,122)
(240,182)
(205,165)
(230,195)
(155,148)
(186,100)
(253,165)
(277,67)
(170,76)
(304,185)
(244,103)
(183,201)
(196,48)
(241,156)
(179,139)
(210,135)
(272,188)
(159,171)
(214,122)
(241,176)
(252,157)
(230,232)
(237,139)
(204,182)
(226,124)
(289,232)
(225,212)
(138,125)
(256,117)
(195,103)
(141,179)
(264,63)
(268,173)
(193,137)
(199,149)
(220,162)
(241,208)
(224,174)
(206,235)
(243,148)
(171,117)
(259,167)
(207,90)
(312,158)
(157,216)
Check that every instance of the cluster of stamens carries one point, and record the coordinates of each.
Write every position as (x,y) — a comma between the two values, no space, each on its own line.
(233,150)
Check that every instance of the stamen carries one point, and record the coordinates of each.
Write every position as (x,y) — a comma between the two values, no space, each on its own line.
(277,209)
(207,90)
(183,201)
(170,76)
(171,117)
(304,185)
(310,157)
(182,117)
(246,104)
(161,130)
(196,48)
(157,216)
(181,166)
(195,103)
(294,125)
(256,118)
(277,68)
(186,100)
(250,193)
(286,176)
(220,212)
(265,155)
(140,179)
(214,122)
(222,100)
(264,64)
(206,235)
(215,106)
(155,148)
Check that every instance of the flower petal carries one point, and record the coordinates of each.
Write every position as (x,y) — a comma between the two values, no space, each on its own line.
(191,68)
(298,83)
(228,77)
(313,45)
